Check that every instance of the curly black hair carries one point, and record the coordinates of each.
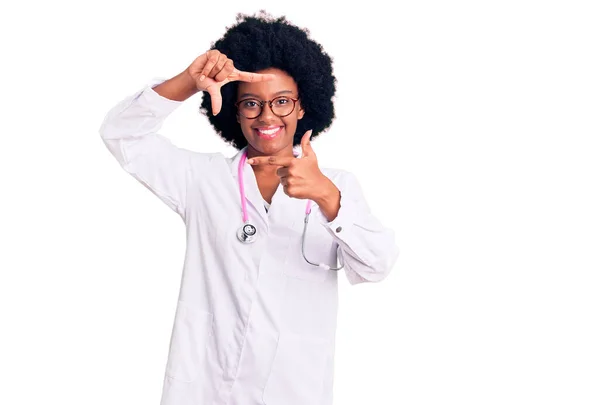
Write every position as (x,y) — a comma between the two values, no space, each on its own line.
(260,42)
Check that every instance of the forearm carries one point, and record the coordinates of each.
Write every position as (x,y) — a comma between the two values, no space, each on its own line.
(178,88)
(130,131)
(368,247)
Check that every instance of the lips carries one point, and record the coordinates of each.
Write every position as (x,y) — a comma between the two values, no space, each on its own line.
(268,132)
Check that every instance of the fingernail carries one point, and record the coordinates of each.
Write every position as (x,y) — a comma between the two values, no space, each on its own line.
(250,161)
(202,77)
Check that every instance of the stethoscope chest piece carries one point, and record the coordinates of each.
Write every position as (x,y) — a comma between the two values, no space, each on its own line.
(247,233)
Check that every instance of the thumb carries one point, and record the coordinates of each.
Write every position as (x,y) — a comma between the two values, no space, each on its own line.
(215,98)
(307,149)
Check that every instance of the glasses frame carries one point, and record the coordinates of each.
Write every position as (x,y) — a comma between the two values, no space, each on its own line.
(262,105)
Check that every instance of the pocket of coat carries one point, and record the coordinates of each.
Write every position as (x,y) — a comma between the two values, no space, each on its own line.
(302,270)
(297,371)
(297,267)
(187,349)
(319,248)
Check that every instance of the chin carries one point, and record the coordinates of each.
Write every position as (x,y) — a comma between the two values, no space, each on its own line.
(269,147)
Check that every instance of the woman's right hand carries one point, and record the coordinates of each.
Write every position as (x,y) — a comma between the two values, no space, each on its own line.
(212,70)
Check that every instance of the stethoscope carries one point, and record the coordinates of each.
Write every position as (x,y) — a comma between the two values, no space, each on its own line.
(247,232)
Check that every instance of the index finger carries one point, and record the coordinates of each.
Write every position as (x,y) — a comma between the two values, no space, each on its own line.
(250,77)
(272,160)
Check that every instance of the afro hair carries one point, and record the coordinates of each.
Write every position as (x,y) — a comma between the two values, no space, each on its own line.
(260,42)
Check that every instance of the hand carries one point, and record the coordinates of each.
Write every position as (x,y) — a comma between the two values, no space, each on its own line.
(300,177)
(212,70)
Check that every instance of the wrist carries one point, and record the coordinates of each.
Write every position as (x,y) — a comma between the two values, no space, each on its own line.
(187,84)
(328,192)
(188,81)
(178,88)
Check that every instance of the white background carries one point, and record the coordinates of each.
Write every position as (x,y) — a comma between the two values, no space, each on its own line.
(472,126)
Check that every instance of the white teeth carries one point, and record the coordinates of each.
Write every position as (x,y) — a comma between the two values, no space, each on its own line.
(269,132)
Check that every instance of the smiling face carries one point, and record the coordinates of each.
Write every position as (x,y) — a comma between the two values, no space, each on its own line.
(269,134)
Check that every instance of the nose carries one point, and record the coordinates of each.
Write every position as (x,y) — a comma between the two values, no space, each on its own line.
(266,114)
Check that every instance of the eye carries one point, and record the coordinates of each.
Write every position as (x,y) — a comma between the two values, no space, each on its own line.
(282,101)
(250,104)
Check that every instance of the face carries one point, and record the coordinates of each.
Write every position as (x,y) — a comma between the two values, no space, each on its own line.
(269,134)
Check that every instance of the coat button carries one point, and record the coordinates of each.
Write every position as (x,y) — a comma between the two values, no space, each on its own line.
(338,229)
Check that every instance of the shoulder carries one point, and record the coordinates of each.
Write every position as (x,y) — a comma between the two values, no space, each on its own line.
(340,177)
(207,158)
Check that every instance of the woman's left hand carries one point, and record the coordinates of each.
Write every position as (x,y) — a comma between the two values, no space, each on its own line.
(300,177)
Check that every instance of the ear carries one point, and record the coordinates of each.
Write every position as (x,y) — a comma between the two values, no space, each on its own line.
(300,113)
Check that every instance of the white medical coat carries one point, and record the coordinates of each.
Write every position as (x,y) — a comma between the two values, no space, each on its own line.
(255,323)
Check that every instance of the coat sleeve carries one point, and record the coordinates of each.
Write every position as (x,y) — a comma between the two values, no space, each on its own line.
(130,132)
(368,247)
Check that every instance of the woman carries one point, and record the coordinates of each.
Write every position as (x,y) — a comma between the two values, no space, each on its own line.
(255,320)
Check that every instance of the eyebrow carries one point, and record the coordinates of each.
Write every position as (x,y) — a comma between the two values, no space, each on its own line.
(254,95)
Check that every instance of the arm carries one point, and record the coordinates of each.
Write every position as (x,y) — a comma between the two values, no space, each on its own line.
(178,88)
(368,248)
(130,132)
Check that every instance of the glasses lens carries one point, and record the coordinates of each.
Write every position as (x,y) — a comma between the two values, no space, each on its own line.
(283,106)
(250,108)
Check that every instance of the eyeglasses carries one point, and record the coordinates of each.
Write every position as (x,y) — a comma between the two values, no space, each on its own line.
(252,108)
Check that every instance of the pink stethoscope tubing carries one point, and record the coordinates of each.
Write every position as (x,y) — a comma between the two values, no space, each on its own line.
(247,232)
